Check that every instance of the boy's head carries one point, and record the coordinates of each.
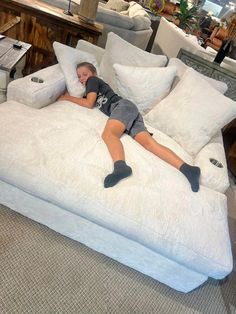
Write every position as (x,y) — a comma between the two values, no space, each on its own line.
(84,71)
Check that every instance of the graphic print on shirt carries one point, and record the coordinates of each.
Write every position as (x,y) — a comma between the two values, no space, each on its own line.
(101,100)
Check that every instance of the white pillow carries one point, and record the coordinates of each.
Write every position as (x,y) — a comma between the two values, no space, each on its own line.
(182,67)
(68,59)
(192,113)
(119,51)
(144,86)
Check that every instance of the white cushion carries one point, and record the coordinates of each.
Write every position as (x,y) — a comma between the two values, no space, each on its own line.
(68,59)
(119,51)
(144,86)
(193,112)
(182,67)
(117,5)
(47,85)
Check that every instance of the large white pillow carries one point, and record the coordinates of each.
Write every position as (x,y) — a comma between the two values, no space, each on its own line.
(182,67)
(68,59)
(144,86)
(192,113)
(119,51)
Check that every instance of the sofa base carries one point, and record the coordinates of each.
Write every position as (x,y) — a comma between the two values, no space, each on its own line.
(102,240)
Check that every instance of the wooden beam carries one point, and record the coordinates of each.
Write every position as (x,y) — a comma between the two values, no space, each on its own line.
(9,24)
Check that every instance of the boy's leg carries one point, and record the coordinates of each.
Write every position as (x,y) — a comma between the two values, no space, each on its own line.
(111,136)
(192,173)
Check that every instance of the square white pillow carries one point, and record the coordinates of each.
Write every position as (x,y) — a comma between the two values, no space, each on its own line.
(68,58)
(119,51)
(182,67)
(144,86)
(192,113)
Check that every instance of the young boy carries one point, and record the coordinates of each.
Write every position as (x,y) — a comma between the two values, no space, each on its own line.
(124,117)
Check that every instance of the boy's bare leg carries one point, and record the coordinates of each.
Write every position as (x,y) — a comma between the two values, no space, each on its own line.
(148,142)
(111,136)
(192,173)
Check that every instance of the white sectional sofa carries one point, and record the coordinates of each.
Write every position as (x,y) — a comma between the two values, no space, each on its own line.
(53,162)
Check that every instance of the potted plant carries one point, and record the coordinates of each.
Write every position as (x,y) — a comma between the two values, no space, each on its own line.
(187,16)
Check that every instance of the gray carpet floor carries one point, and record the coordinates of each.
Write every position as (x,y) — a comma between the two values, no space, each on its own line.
(42,271)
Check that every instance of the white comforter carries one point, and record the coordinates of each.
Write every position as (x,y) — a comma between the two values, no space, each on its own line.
(57,154)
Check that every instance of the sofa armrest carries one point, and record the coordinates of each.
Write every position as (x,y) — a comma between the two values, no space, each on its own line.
(214,174)
(38,89)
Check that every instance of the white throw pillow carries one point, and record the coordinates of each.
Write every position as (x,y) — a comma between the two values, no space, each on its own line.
(117,5)
(192,113)
(144,86)
(68,59)
(182,67)
(119,51)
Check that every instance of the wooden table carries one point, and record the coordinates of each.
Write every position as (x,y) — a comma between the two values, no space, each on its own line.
(12,62)
(10,56)
(40,24)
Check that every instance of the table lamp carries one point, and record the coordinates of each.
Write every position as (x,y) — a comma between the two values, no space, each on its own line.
(88,10)
(68,11)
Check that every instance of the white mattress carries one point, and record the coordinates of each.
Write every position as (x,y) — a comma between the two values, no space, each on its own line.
(56,154)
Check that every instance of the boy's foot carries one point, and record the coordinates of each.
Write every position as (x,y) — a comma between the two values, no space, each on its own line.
(192,174)
(121,171)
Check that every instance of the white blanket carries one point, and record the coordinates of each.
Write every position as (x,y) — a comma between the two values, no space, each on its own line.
(57,154)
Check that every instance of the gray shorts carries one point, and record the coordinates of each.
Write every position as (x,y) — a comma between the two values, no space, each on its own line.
(127,112)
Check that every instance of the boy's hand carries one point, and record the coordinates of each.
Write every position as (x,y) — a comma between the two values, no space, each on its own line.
(65,96)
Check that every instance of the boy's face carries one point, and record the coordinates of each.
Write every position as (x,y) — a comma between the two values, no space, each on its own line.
(84,74)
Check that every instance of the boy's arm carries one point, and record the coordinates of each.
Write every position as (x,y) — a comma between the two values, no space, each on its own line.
(87,102)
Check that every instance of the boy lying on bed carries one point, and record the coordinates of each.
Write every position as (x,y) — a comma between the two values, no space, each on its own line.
(124,117)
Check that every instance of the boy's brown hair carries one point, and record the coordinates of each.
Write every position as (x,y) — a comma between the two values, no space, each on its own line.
(88,65)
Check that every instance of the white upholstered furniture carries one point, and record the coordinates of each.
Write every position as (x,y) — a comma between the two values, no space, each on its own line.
(133,25)
(170,39)
(52,165)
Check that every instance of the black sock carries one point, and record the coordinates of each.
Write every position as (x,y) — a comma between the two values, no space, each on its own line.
(121,171)
(192,174)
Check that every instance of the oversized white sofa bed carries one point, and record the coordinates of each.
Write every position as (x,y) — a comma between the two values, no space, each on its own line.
(53,163)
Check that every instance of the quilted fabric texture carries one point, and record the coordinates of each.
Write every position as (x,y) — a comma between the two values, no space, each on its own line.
(214,176)
(119,51)
(144,86)
(38,90)
(182,67)
(192,113)
(117,5)
(68,58)
(50,152)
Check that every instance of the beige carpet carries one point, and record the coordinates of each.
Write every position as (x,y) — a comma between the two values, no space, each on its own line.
(44,272)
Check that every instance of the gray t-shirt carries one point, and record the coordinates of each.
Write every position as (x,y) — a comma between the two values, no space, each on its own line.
(105,95)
